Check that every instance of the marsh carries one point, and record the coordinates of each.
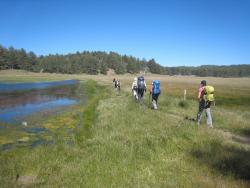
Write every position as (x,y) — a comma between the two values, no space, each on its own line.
(23,106)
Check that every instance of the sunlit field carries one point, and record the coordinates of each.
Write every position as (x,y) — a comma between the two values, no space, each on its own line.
(117,142)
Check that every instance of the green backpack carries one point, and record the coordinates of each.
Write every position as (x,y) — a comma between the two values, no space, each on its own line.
(209,93)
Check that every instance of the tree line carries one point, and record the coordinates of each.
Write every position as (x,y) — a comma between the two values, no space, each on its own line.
(76,63)
(99,62)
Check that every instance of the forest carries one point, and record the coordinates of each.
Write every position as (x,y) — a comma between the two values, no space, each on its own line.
(99,62)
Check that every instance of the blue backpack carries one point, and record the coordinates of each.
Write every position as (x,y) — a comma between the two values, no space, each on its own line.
(156,87)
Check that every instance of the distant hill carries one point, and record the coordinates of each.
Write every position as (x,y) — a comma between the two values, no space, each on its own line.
(100,62)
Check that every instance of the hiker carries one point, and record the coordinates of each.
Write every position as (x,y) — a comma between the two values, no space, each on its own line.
(114,82)
(205,97)
(134,88)
(118,85)
(155,91)
(141,87)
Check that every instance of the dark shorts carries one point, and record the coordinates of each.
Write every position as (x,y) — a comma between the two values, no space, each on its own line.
(204,105)
(140,92)
(155,96)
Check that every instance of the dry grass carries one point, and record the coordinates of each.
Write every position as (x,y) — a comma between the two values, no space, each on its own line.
(226,88)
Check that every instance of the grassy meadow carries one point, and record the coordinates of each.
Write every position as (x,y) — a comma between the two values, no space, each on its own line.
(116,142)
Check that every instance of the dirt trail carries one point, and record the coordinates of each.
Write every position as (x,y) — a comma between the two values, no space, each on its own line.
(234,138)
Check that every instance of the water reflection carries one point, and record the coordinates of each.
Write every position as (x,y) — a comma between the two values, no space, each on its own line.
(12,114)
(24,106)
(21,100)
(10,87)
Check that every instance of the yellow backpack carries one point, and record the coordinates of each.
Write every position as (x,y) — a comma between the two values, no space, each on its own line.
(209,93)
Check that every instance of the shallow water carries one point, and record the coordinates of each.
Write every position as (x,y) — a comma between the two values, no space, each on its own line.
(25,106)
(10,87)
(12,114)
(20,100)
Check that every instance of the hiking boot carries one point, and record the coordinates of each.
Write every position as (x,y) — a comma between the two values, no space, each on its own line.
(154,105)
(210,126)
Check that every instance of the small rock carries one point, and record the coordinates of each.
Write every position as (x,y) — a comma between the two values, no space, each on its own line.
(24,123)
(24,139)
(26,180)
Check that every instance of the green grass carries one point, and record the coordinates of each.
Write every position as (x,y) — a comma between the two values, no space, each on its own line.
(120,143)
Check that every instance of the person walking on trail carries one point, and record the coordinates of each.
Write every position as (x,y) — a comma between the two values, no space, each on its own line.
(205,97)
(118,85)
(155,91)
(141,87)
(134,88)
(114,83)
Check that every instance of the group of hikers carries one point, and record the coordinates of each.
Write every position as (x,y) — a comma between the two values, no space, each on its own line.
(205,96)
(139,87)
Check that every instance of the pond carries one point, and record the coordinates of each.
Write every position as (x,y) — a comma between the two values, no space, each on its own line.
(21,102)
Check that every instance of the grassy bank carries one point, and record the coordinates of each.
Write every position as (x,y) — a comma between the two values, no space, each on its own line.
(120,143)
(68,131)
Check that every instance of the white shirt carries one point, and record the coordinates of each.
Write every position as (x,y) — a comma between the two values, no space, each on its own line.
(134,84)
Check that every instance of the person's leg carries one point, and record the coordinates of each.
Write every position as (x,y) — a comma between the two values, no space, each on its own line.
(201,108)
(154,100)
(139,92)
(135,94)
(156,97)
(209,118)
(208,115)
(142,93)
(154,106)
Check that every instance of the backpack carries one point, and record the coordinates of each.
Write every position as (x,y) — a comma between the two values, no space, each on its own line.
(140,83)
(118,83)
(156,87)
(209,93)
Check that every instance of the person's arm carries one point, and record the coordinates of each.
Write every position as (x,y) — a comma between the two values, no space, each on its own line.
(201,92)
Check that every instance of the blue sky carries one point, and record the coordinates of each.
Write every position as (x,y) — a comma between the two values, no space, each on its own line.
(173,32)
